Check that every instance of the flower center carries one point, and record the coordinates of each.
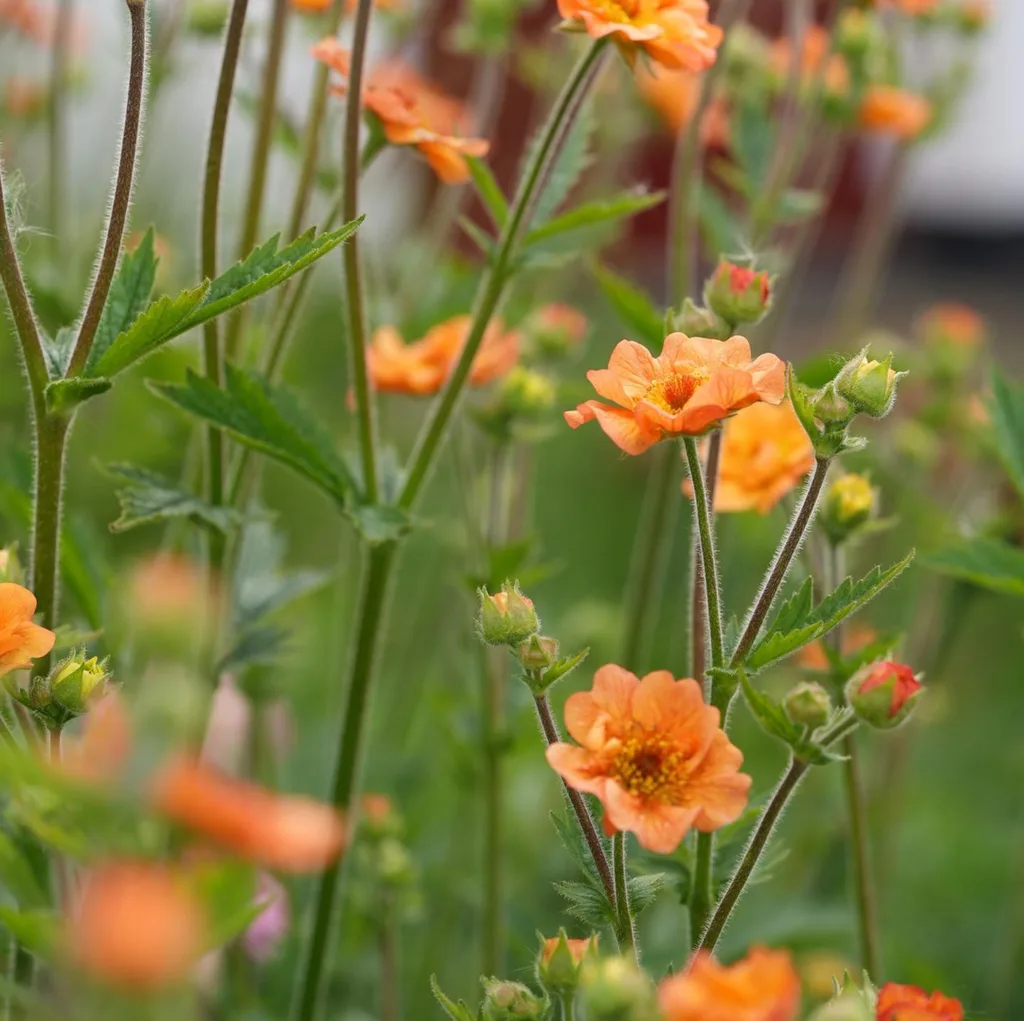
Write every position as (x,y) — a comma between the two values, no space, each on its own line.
(672,392)
(651,765)
(622,11)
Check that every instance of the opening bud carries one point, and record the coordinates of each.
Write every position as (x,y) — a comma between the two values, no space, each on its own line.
(868,385)
(76,680)
(808,704)
(538,652)
(738,294)
(510,1001)
(615,989)
(556,329)
(560,961)
(850,503)
(527,392)
(507,617)
(884,694)
(696,321)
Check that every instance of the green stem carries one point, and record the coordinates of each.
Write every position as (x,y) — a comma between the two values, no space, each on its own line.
(698,599)
(346,770)
(779,568)
(567,1005)
(686,181)
(648,555)
(863,885)
(210,229)
(354,312)
(624,928)
(314,128)
(390,976)
(120,204)
(492,287)
(262,148)
(57,127)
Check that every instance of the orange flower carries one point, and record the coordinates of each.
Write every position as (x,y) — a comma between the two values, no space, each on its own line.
(322,6)
(912,8)
(958,324)
(908,1003)
(689,388)
(655,755)
(765,454)
(893,111)
(412,111)
(812,657)
(423,366)
(675,33)
(293,834)
(762,987)
(895,682)
(674,95)
(815,59)
(21,641)
(136,927)
(99,754)
(24,98)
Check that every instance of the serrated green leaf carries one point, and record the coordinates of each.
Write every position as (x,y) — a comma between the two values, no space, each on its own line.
(129,295)
(798,631)
(269,420)
(562,667)
(378,524)
(592,214)
(843,667)
(64,395)
(456,1011)
(576,845)
(590,906)
(633,306)
(489,191)
(769,713)
(572,161)
(149,497)
(644,890)
(993,565)
(17,877)
(57,351)
(1007,413)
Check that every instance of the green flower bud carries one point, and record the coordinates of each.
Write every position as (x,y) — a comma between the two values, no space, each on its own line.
(560,960)
(538,652)
(809,705)
(850,503)
(527,392)
(615,989)
(851,1006)
(883,694)
(510,1001)
(74,681)
(207,17)
(868,385)
(738,294)
(696,321)
(507,617)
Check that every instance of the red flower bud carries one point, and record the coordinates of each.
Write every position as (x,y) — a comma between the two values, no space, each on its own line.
(884,693)
(737,294)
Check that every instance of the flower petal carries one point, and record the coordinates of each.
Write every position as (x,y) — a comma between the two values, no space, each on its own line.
(716,787)
(16,603)
(623,428)
(635,368)
(768,374)
(576,766)
(660,828)
(613,690)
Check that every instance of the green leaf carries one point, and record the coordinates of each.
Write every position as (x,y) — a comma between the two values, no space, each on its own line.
(592,214)
(149,497)
(228,891)
(129,295)
(797,625)
(64,395)
(576,845)
(378,524)
(17,877)
(456,1011)
(269,420)
(57,351)
(561,667)
(37,930)
(256,645)
(720,229)
(769,713)
(1007,411)
(489,191)
(633,306)
(586,903)
(264,269)
(644,890)
(993,565)
(480,238)
(798,204)
(572,161)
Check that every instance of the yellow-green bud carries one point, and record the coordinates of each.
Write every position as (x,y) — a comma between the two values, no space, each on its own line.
(851,1006)
(850,503)
(808,704)
(560,960)
(75,680)
(538,652)
(207,17)
(510,1001)
(507,617)
(615,989)
(10,565)
(869,385)
(528,392)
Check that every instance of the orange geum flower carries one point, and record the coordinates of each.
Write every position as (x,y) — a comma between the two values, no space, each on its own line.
(21,640)
(137,927)
(413,112)
(894,111)
(765,454)
(954,323)
(855,637)
(689,388)
(764,986)
(423,366)
(653,752)
(675,33)
(99,753)
(675,94)
(909,1003)
(815,59)
(293,834)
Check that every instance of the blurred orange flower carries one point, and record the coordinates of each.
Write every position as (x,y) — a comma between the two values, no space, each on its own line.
(950,322)
(893,111)
(909,1003)
(691,386)
(322,6)
(764,986)
(423,366)
(812,657)
(21,640)
(765,454)
(912,8)
(815,60)
(675,94)
(99,753)
(412,111)
(136,926)
(293,834)
(675,33)
(655,755)
(24,98)
(558,317)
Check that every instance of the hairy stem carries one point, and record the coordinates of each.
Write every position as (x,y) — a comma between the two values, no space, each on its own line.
(262,148)
(121,202)
(583,817)
(493,285)
(698,600)
(863,883)
(346,771)
(57,125)
(783,559)
(210,230)
(624,929)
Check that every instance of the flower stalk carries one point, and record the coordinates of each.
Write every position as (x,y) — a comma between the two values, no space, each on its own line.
(625,929)
(57,126)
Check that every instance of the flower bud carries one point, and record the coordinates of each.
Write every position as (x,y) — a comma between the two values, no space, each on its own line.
(393,864)
(556,329)
(850,503)
(207,17)
(851,1006)
(858,34)
(507,617)
(737,294)
(868,385)
(615,989)
(378,817)
(971,16)
(696,321)
(75,679)
(510,1001)
(538,652)
(560,960)
(809,705)
(883,694)
(527,392)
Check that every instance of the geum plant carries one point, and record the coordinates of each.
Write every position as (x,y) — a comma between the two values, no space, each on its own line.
(91,853)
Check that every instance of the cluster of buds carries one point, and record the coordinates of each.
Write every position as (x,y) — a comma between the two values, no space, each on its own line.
(733,295)
(67,692)
(850,503)
(864,386)
(561,960)
(883,694)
